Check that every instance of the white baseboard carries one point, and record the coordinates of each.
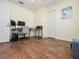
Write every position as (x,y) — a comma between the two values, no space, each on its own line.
(64,39)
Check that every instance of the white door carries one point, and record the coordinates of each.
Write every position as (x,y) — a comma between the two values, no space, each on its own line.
(51,24)
(4,22)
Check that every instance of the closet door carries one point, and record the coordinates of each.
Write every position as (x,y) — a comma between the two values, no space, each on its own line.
(1,22)
(4,23)
(51,24)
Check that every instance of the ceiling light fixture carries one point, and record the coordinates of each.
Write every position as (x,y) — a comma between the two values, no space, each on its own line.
(33,2)
(42,2)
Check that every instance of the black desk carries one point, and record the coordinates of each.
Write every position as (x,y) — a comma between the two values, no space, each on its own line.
(16,33)
(14,37)
(38,31)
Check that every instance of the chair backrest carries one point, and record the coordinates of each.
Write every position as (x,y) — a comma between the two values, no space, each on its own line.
(25,29)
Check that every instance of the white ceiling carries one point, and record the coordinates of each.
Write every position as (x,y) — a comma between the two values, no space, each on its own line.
(38,3)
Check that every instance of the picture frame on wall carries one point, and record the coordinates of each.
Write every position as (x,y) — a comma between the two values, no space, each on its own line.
(66,12)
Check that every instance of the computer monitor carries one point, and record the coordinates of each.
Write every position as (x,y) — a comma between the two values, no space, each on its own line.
(12,23)
(21,23)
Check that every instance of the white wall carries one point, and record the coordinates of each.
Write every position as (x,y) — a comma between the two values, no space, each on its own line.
(65,29)
(40,18)
(20,13)
(9,11)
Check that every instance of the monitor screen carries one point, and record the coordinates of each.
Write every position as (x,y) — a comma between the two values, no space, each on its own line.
(21,23)
(12,23)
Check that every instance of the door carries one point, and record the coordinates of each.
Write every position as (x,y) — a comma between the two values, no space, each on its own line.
(51,24)
(4,22)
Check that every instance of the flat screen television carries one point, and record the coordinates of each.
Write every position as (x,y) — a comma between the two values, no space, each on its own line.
(12,23)
(21,23)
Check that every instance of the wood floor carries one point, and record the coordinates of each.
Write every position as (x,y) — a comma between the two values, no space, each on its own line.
(36,49)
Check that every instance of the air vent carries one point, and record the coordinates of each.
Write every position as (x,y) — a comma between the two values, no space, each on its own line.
(21,2)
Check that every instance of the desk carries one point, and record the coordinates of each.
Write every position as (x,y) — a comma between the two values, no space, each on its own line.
(32,30)
(14,37)
(17,34)
(38,31)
